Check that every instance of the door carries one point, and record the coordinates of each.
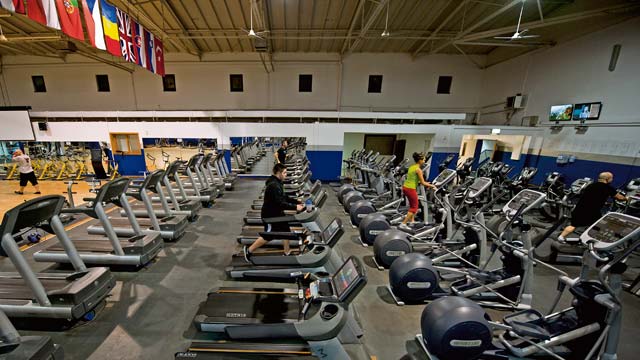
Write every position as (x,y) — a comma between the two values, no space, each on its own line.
(384,144)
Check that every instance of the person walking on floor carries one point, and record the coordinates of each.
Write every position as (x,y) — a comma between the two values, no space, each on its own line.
(27,175)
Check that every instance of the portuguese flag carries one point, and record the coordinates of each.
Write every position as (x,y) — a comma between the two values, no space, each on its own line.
(70,22)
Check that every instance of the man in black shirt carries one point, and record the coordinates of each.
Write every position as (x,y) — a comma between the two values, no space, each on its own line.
(589,207)
(274,205)
(281,154)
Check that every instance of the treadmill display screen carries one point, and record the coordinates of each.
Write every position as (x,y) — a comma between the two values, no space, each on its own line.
(345,277)
(330,230)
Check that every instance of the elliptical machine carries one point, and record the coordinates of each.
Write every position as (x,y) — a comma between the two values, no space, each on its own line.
(423,237)
(413,278)
(457,328)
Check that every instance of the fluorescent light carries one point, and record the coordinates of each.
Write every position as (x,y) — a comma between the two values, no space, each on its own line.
(495,131)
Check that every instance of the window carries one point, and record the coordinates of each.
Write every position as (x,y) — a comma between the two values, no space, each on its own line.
(235,82)
(305,83)
(38,83)
(125,143)
(103,83)
(375,83)
(169,82)
(444,84)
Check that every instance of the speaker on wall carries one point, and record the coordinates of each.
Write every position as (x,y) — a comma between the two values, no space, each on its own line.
(43,126)
(615,53)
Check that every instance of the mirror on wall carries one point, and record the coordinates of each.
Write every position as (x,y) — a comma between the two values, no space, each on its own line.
(159,152)
(256,155)
(57,160)
(487,150)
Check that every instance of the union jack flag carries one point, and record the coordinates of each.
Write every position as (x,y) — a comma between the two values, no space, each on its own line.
(126,36)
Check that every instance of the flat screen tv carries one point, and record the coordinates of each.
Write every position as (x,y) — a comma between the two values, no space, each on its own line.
(587,111)
(561,112)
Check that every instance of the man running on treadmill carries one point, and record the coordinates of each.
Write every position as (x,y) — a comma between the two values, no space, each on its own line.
(589,208)
(281,154)
(275,203)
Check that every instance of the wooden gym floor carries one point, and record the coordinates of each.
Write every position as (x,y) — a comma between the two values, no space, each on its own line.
(9,200)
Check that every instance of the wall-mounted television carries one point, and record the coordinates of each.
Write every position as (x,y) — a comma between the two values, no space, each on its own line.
(561,112)
(587,111)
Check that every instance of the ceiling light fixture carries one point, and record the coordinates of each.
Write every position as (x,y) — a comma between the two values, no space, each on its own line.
(386,33)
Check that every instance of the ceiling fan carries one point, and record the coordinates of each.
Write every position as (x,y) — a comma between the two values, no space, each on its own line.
(252,33)
(518,35)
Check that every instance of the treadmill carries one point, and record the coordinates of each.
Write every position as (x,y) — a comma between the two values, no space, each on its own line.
(170,227)
(298,222)
(254,218)
(173,173)
(185,206)
(315,315)
(137,250)
(211,179)
(269,265)
(16,347)
(196,183)
(221,169)
(313,192)
(60,294)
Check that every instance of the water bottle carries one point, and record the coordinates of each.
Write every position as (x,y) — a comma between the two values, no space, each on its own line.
(309,205)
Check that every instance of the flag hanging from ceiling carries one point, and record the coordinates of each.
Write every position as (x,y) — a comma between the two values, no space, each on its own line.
(91,13)
(139,43)
(159,55)
(110,24)
(126,36)
(16,6)
(149,51)
(70,22)
(44,12)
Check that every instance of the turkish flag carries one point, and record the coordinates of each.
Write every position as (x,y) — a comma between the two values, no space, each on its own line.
(159,54)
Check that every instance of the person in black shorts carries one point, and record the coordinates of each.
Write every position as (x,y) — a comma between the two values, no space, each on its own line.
(281,154)
(27,175)
(589,208)
(275,203)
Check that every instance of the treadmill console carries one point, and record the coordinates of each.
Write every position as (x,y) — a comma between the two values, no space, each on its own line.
(611,231)
(444,178)
(478,187)
(529,198)
(333,232)
(342,286)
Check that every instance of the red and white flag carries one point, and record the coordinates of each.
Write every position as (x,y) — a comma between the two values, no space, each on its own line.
(159,53)
(44,12)
(16,6)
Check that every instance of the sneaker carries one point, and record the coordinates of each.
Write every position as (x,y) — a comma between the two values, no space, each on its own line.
(37,193)
(246,253)
(19,192)
(561,239)
(404,227)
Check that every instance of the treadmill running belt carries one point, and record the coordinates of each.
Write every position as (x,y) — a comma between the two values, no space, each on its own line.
(256,306)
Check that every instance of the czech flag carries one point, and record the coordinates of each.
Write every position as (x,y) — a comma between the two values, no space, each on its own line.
(44,12)
(16,6)
(70,22)
(110,24)
(91,13)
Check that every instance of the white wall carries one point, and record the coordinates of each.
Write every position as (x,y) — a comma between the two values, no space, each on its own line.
(577,72)
(408,85)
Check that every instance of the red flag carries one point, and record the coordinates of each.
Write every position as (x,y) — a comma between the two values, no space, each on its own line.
(44,12)
(16,6)
(69,14)
(159,54)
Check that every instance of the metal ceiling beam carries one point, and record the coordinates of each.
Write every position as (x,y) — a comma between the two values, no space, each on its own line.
(473,61)
(476,25)
(382,4)
(173,13)
(206,22)
(313,37)
(267,24)
(354,20)
(551,21)
(46,49)
(437,30)
(540,10)
(506,44)
(145,19)
(90,55)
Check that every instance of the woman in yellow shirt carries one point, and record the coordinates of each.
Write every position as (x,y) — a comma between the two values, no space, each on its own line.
(414,177)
